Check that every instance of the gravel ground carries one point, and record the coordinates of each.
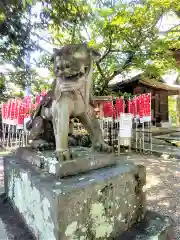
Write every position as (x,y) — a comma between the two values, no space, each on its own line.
(162,188)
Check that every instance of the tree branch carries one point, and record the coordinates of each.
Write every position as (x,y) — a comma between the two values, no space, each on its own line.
(41,38)
(108,49)
(126,64)
(107,79)
(101,71)
(79,12)
(73,32)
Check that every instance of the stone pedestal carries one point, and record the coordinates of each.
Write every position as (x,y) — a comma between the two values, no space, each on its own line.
(99,204)
(84,160)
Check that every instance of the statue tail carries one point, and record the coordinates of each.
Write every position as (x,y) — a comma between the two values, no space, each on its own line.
(29,124)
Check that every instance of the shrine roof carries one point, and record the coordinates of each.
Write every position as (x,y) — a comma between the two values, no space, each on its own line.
(121,83)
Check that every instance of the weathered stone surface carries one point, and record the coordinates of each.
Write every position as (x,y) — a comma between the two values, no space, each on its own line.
(84,161)
(162,229)
(153,227)
(97,205)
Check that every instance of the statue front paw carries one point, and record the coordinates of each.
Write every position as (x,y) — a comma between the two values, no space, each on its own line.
(63,155)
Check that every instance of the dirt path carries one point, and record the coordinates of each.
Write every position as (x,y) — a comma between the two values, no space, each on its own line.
(163,186)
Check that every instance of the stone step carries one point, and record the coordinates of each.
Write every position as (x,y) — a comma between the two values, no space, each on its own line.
(153,227)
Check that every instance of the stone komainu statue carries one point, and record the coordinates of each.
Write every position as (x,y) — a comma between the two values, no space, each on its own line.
(69,97)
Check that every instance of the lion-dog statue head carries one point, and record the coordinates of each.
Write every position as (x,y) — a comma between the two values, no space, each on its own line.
(73,64)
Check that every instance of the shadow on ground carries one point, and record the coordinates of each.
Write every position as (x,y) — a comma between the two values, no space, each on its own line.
(163,186)
(15,228)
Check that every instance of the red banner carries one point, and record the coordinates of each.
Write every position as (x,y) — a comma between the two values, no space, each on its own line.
(108,109)
(21,114)
(141,106)
(147,103)
(120,106)
(4,111)
(38,99)
(9,109)
(15,110)
(134,107)
(43,93)
(137,105)
(27,106)
(130,106)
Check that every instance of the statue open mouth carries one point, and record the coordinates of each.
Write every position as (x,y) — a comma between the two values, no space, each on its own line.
(76,76)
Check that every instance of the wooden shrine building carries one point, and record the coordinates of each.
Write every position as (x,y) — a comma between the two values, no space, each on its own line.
(159,92)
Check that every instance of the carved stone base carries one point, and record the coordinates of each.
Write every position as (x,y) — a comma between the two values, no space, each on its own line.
(100,204)
(83,161)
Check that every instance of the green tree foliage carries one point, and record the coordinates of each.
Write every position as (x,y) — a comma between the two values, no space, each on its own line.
(125,34)
(14,33)
(16,43)
(2,86)
(172,109)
